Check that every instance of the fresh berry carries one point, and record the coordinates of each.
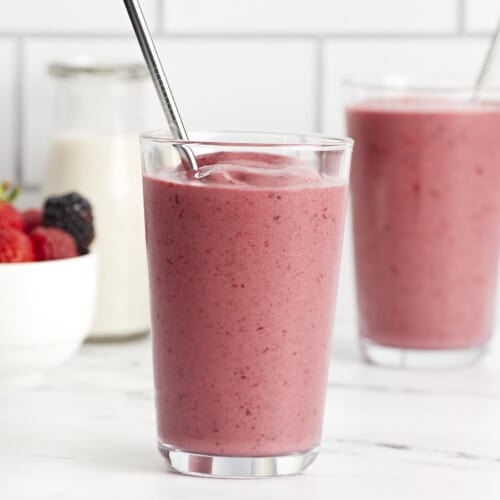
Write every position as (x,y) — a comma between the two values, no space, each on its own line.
(15,246)
(73,214)
(51,243)
(32,218)
(9,216)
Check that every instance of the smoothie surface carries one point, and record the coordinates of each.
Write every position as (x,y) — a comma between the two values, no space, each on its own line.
(248,171)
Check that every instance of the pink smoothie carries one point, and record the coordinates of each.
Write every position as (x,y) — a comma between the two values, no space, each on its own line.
(243,271)
(426,205)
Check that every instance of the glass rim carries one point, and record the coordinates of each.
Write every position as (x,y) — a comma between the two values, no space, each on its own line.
(125,70)
(316,141)
(379,84)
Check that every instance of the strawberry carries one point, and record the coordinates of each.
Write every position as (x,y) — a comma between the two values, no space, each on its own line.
(15,246)
(32,218)
(9,216)
(52,243)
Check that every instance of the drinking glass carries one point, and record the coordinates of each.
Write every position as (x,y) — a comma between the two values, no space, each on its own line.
(243,265)
(426,210)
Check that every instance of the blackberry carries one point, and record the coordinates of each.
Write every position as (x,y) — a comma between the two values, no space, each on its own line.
(73,214)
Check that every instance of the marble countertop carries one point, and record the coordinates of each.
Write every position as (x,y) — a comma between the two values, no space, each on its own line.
(88,432)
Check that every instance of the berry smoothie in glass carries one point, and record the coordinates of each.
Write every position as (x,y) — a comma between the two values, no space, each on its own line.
(426,211)
(243,264)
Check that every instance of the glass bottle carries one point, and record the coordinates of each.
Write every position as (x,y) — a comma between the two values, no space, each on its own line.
(98,112)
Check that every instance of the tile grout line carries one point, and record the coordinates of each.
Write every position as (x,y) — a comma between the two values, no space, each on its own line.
(252,36)
(19,111)
(461,14)
(318,96)
(31,187)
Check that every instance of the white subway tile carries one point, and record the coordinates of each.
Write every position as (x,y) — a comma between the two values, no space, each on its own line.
(481,15)
(264,84)
(65,16)
(294,16)
(454,61)
(239,84)
(8,118)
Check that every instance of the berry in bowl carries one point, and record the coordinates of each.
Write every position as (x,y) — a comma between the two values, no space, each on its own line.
(47,284)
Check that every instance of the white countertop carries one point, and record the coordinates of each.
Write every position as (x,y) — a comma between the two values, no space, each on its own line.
(89,433)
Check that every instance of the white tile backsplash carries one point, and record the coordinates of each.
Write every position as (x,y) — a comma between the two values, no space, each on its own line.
(243,84)
(8,118)
(236,64)
(267,84)
(293,16)
(68,16)
(481,15)
(429,61)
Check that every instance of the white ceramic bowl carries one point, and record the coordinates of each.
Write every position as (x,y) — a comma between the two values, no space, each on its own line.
(46,311)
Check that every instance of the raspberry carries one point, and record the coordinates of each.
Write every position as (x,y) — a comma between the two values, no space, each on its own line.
(32,218)
(52,243)
(9,216)
(15,246)
(73,214)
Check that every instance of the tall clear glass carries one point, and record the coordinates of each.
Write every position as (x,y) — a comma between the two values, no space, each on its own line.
(426,211)
(243,264)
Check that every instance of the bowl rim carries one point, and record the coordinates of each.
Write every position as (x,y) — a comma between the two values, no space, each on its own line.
(91,256)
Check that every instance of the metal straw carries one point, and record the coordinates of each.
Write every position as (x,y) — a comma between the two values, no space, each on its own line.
(159,78)
(488,67)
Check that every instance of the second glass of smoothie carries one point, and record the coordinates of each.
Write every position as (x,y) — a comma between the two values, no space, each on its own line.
(426,211)
(243,264)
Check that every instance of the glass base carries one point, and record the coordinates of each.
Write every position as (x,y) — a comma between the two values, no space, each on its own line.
(199,464)
(395,357)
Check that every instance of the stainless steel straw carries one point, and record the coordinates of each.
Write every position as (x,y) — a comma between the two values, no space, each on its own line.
(488,67)
(159,78)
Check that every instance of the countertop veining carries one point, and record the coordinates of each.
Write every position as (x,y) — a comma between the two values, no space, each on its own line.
(88,432)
